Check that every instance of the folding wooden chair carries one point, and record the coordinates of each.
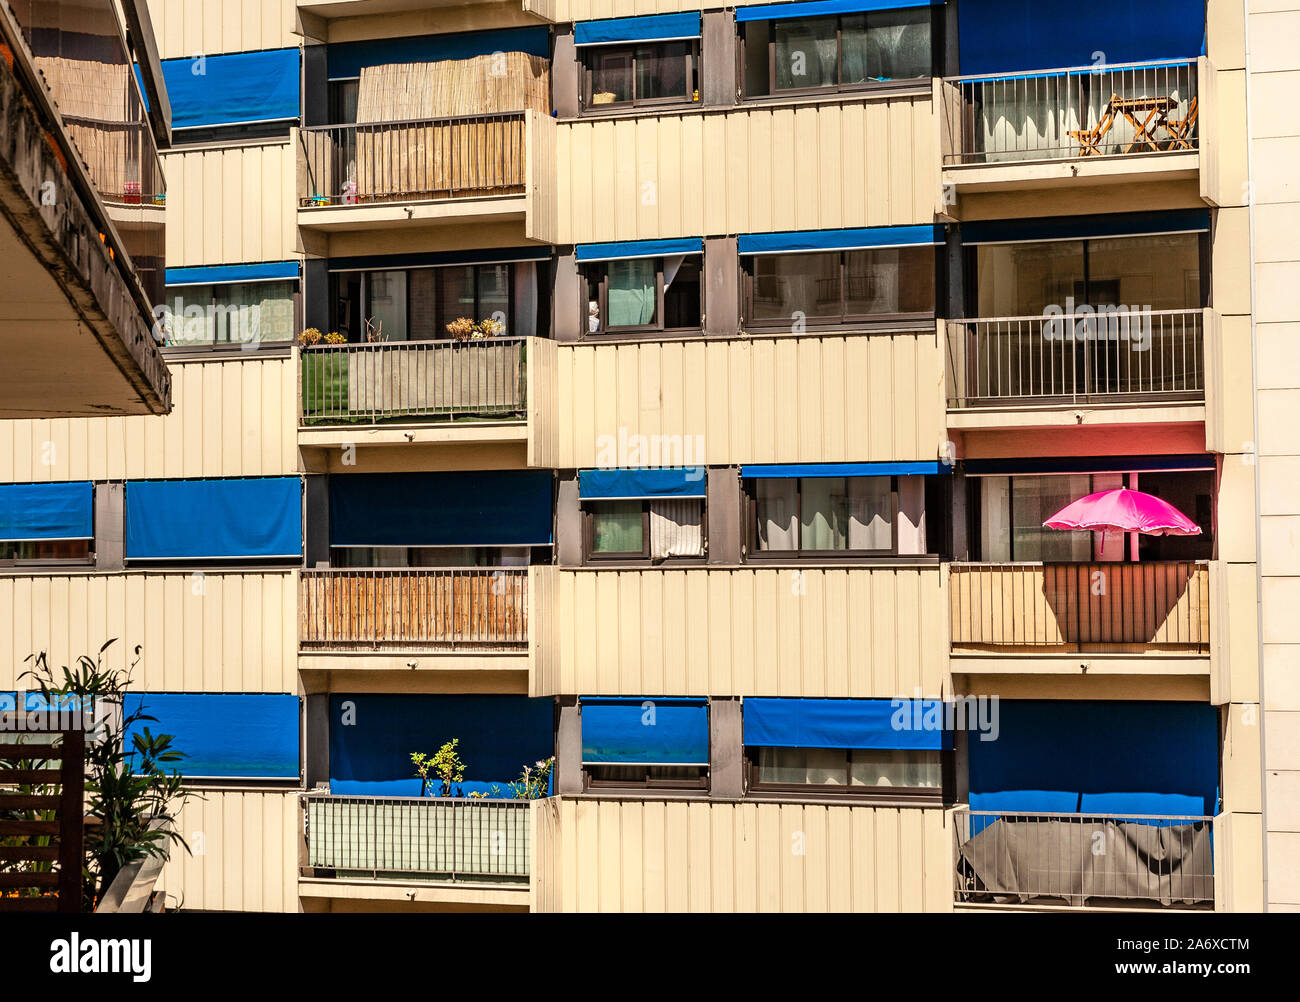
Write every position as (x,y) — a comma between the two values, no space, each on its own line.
(1180,129)
(1090,140)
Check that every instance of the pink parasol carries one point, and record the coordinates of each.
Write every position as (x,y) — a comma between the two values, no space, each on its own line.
(1123,510)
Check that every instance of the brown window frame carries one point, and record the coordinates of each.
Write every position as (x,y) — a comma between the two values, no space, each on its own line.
(590,556)
(692,70)
(591,784)
(13,563)
(749,502)
(601,295)
(942,794)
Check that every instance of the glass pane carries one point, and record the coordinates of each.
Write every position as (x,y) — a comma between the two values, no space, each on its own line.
(756,51)
(890,45)
(805,53)
(1035,499)
(494,294)
(632,293)
(243,313)
(682,292)
(824,522)
(455,296)
(789,284)
(812,766)
(869,509)
(1019,280)
(387,313)
(617,527)
(884,767)
(889,280)
(611,76)
(1162,272)
(661,71)
(776,502)
(423,285)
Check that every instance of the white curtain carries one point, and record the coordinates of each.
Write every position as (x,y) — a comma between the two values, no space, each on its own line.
(676,529)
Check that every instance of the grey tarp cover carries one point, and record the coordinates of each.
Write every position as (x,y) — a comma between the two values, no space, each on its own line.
(1023,859)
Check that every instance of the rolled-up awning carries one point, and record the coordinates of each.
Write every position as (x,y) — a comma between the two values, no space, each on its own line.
(845,723)
(646,731)
(624,249)
(31,512)
(652,28)
(224,736)
(819,8)
(791,470)
(235,89)
(228,274)
(346,60)
(635,485)
(257,517)
(1050,228)
(811,241)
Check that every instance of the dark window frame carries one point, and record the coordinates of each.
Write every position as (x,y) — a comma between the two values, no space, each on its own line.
(592,784)
(590,556)
(228,345)
(943,794)
(749,504)
(16,563)
(598,289)
(692,72)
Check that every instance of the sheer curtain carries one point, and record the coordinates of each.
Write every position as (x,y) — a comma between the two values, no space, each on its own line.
(676,529)
(776,503)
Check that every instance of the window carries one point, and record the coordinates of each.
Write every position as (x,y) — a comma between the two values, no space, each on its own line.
(646,73)
(70,551)
(652,777)
(644,294)
(841,286)
(645,529)
(637,743)
(822,515)
(47,523)
(852,772)
(237,313)
(835,52)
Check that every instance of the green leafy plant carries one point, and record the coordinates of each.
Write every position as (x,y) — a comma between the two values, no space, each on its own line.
(534,783)
(444,766)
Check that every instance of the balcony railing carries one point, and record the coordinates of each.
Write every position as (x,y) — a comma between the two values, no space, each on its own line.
(403,837)
(1082,112)
(1056,859)
(412,160)
(462,609)
(1095,357)
(472,380)
(1093,607)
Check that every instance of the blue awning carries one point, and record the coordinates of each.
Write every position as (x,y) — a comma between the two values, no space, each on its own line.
(479,508)
(648,731)
(214,519)
(226,274)
(224,736)
(839,240)
(817,8)
(621,250)
(439,259)
(345,60)
(846,723)
(1124,224)
(234,89)
(1003,36)
(654,28)
(633,485)
(1051,465)
(46,511)
(789,470)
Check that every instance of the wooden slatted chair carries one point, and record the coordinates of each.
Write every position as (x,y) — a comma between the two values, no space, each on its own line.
(1181,130)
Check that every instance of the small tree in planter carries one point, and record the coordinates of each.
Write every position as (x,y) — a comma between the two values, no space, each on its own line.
(444,766)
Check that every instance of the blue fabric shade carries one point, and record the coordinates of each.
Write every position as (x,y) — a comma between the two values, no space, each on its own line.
(46,511)
(1086,464)
(846,723)
(1003,36)
(838,240)
(224,736)
(620,250)
(1111,757)
(233,89)
(818,8)
(345,60)
(266,271)
(790,470)
(214,519)
(1126,224)
(481,508)
(371,738)
(654,28)
(627,485)
(649,731)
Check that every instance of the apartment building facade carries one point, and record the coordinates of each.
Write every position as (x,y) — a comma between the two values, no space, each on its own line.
(686,391)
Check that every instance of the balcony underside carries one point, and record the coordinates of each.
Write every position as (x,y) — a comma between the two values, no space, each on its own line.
(354,894)
(1013,661)
(428,214)
(1031,175)
(1031,414)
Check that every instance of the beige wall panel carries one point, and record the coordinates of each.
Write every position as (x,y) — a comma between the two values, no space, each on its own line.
(540,221)
(859,632)
(654,856)
(825,165)
(231,205)
(761,399)
(235,418)
(213,632)
(186,28)
(1229,397)
(244,853)
(543,407)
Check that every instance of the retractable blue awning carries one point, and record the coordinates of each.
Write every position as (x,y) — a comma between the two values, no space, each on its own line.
(235,89)
(224,736)
(1049,465)
(621,250)
(818,8)
(633,485)
(346,60)
(31,512)
(479,508)
(808,241)
(653,28)
(1051,228)
(227,274)
(846,723)
(790,470)
(258,517)
(648,731)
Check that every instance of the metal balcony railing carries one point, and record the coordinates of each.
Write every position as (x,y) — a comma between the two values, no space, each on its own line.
(413,160)
(481,379)
(451,839)
(1089,357)
(1084,860)
(476,608)
(1091,111)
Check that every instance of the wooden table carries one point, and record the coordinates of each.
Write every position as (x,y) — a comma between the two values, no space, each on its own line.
(1149,117)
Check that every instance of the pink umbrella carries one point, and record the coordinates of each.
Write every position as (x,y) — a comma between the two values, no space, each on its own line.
(1123,510)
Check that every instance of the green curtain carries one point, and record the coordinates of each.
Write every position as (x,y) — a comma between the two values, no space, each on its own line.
(618,527)
(632,293)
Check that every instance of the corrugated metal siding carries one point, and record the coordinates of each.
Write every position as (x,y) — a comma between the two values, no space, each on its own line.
(230,206)
(628,856)
(213,632)
(758,400)
(186,28)
(814,166)
(544,846)
(229,419)
(540,214)
(244,853)
(820,632)
(543,415)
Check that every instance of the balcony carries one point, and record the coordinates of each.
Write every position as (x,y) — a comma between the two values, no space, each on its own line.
(1059,127)
(1034,860)
(457,852)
